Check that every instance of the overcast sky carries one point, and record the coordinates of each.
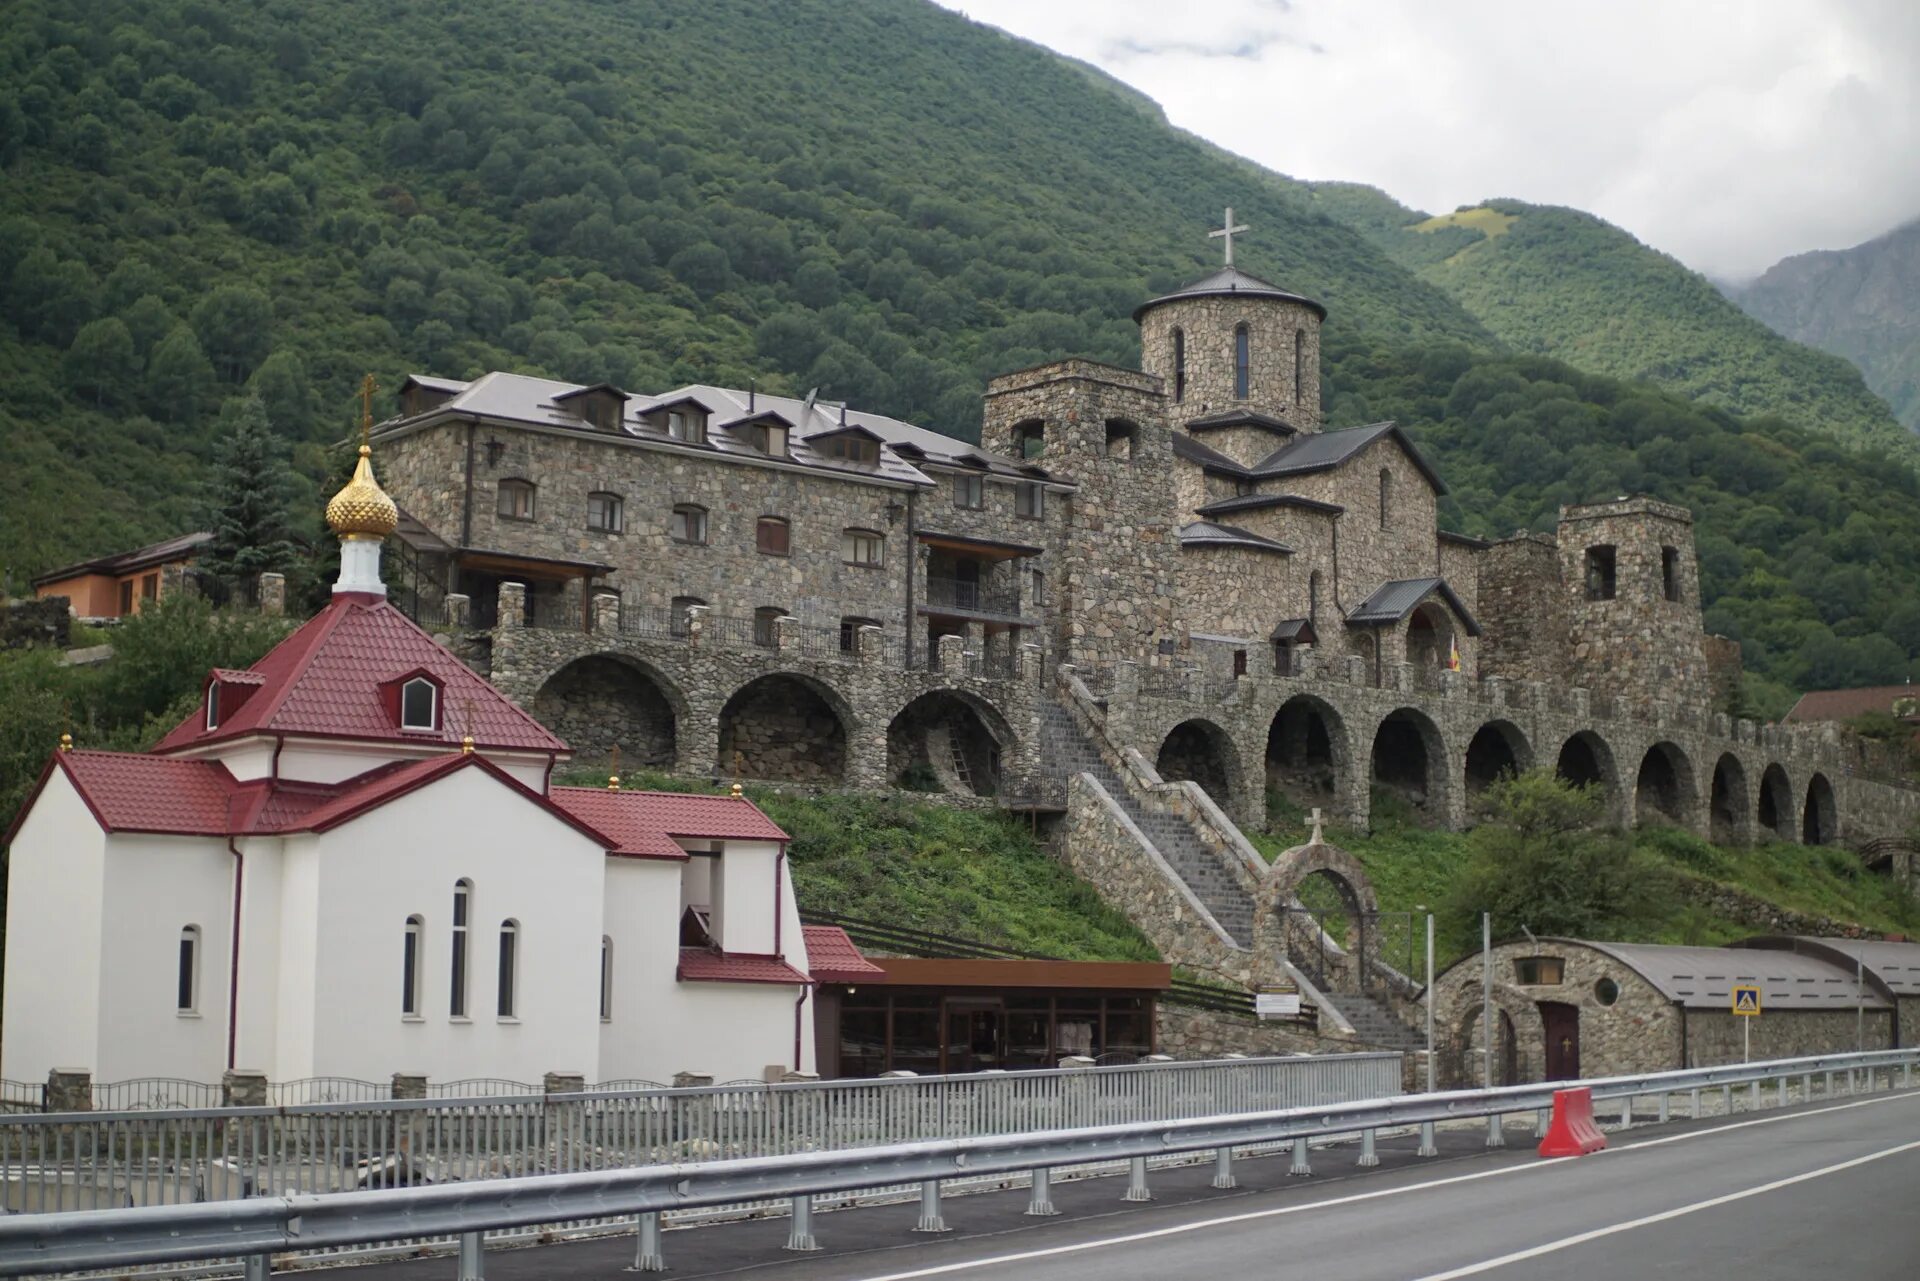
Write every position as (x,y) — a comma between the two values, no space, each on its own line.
(1728,134)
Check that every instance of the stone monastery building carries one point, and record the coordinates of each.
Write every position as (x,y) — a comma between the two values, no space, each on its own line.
(351,861)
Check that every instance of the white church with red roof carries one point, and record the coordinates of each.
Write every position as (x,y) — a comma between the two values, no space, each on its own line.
(351,861)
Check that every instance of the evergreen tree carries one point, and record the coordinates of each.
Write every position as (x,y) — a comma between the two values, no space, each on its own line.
(248,506)
(281,384)
(179,378)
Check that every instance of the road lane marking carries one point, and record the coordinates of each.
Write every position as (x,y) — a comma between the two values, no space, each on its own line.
(1581,1238)
(1178,1229)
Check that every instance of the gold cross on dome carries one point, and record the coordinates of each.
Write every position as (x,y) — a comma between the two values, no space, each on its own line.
(1227,233)
(367,386)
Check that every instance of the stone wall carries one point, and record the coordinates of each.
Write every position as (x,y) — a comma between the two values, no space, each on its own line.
(45,621)
(1236,591)
(1209,325)
(1639,645)
(1714,1036)
(1186,1033)
(599,703)
(1523,608)
(782,729)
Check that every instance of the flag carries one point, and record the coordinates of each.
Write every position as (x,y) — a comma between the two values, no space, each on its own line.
(1453,655)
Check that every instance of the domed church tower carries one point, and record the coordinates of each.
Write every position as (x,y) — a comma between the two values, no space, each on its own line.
(1240,358)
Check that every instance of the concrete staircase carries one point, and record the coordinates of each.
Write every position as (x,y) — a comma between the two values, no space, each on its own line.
(1067,751)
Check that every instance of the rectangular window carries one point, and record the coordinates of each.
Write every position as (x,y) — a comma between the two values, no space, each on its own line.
(1039,589)
(771,536)
(509,946)
(603,513)
(1029,501)
(689,524)
(410,969)
(769,438)
(854,449)
(1670,572)
(685,425)
(457,1001)
(126,597)
(187,983)
(515,500)
(970,492)
(1600,573)
(1538,971)
(862,547)
(150,587)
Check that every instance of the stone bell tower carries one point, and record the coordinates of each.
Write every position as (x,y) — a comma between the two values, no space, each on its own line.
(1237,355)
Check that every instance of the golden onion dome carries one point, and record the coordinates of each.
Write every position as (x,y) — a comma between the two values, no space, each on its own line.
(362,509)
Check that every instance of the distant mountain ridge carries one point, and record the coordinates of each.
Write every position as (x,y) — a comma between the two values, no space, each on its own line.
(1861,303)
(1563,283)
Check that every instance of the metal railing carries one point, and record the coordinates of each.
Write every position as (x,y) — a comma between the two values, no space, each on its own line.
(261,1227)
(972,596)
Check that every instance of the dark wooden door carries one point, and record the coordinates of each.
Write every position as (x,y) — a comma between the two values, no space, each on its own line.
(974,1039)
(1562,1024)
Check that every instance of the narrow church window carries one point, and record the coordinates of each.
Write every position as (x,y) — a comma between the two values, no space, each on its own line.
(606,979)
(1600,572)
(509,966)
(1242,362)
(970,492)
(688,525)
(213,705)
(771,536)
(462,897)
(1386,496)
(862,547)
(1179,365)
(604,512)
(1299,366)
(187,996)
(515,500)
(419,704)
(1669,572)
(1029,501)
(410,966)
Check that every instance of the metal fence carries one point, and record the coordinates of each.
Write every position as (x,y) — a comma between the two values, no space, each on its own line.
(78,1160)
(411,1218)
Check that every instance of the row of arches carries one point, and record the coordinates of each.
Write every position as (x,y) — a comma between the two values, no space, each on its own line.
(1313,759)
(783,727)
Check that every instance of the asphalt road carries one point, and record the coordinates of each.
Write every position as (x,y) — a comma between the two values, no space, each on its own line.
(1813,1192)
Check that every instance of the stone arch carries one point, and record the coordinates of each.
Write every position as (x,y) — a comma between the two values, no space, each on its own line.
(1820,819)
(1729,805)
(786,727)
(1199,751)
(1458,1017)
(602,701)
(949,739)
(1497,747)
(1774,812)
(1586,760)
(1429,634)
(1664,789)
(1289,884)
(1309,754)
(1409,759)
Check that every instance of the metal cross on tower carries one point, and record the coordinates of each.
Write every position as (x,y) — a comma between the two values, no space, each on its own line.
(1227,233)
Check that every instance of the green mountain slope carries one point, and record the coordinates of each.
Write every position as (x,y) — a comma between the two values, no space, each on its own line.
(1563,283)
(1861,303)
(876,197)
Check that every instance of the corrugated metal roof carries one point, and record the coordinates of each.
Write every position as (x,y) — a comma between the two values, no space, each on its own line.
(1229,280)
(1207,533)
(1892,962)
(1704,977)
(1391,602)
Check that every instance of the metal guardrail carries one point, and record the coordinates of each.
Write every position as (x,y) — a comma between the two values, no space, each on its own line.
(259,1228)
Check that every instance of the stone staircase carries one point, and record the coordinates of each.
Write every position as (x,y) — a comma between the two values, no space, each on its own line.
(1374,1021)
(1067,751)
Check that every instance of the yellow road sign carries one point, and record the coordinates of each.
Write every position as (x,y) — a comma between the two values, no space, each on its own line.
(1746,1000)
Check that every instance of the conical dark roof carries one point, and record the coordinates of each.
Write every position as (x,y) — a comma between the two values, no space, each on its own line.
(1232,282)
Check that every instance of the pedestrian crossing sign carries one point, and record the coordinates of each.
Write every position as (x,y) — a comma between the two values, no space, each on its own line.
(1746,1000)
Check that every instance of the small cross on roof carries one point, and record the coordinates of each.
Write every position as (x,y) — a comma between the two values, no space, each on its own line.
(1227,233)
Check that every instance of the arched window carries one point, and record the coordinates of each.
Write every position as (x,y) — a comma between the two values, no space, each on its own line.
(213,705)
(1386,496)
(515,500)
(1242,362)
(1179,365)
(187,986)
(772,536)
(606,979)
(462,905)
(1299,366)
(864,547)
(410,966)
(765,633)
(509,967)
(688,524)
(677,623)
(604,513)
(419,704)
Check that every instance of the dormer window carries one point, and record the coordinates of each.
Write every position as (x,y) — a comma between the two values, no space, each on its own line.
(419,704)
(601,407)
(686,426)
(213,705)
(769,439)
(862,451)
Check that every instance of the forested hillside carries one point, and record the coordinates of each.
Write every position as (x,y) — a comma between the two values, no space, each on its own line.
(1562,283)
(876,197)
(1862,303)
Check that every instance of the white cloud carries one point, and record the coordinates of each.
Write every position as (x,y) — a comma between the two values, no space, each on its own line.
(1729,134)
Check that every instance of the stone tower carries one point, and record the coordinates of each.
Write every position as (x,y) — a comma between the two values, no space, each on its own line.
(1105,429)
(1632,590)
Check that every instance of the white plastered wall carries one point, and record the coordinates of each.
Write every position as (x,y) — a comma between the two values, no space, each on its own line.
(54,882)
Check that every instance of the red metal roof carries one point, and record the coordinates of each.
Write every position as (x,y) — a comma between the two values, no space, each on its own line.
(129,792)
(324,681)
(644,824)
(1845,704)
(832,957)
(704,965)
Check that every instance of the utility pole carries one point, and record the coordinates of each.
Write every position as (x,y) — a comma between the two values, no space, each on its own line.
(1860,999)
(1486,998)
(1430,1064)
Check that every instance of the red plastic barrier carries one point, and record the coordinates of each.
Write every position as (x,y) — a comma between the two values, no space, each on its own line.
(1573,1132)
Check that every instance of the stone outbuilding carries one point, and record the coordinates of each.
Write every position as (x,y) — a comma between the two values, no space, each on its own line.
(1568,1008)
